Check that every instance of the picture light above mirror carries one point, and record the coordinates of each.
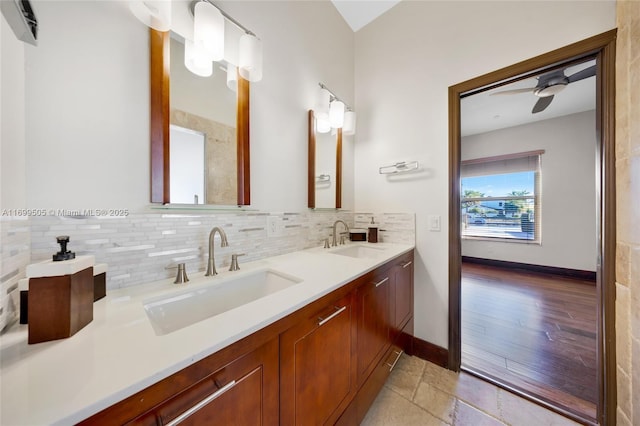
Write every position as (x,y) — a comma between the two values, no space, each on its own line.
(331,112)
(206,45)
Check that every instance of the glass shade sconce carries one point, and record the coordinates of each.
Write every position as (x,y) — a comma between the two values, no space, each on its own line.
(332,110)
(321,111)
(349,127)
(208,38)
(196,60)
(336,114)
(250,58)
(323,125)
(155,14)
(208,30)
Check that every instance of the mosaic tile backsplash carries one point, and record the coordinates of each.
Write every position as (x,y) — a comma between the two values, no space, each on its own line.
(15,248)
(146,247)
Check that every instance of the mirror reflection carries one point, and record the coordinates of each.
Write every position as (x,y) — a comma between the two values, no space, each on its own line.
(203,148)
(325,181)
(325,167)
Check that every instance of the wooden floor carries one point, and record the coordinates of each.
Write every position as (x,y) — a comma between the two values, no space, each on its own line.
(533,332)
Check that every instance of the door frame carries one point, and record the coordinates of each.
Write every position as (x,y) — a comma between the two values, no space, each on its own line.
(602,48)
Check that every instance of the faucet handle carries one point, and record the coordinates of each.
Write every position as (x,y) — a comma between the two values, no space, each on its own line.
(181,276)
(342,239)
(326,243)
(234,261)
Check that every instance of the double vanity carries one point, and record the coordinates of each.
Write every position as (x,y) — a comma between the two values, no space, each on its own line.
(305,337)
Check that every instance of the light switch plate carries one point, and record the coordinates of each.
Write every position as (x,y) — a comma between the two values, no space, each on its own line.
(434,222)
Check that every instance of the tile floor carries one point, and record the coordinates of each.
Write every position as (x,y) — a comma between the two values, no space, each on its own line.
(421,393)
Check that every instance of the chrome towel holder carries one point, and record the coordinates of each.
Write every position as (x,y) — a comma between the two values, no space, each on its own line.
(399,167)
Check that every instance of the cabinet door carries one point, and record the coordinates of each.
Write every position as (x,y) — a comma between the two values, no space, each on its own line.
(317,376)
(244,392)
(402,293)
(373,322)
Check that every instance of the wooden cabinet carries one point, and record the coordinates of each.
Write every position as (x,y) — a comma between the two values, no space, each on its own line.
(321,365)
(401,299)
(373,320)
(385,328)
(317,371)
(241,392)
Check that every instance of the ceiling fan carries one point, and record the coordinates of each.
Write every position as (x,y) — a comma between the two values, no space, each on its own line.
(550,84)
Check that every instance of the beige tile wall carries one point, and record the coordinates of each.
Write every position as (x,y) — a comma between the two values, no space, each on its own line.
(628,208)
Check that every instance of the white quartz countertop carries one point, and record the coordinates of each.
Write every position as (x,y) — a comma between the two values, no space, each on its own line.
(118,353)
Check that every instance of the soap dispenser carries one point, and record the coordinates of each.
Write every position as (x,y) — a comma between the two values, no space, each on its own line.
(373,232)
(60,295)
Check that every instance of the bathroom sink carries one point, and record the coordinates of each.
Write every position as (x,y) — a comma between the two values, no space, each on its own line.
(179,310)
(359,251)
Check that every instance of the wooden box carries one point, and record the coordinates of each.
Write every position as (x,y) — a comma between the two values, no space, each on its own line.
(60,306)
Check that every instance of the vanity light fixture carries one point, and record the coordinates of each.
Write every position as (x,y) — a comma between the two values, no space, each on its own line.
(208,30)
(208,35)
(349,127)
(323,125)
(336,114)
(196,61)
(153,13)
(250,58)
(340,114)
(250,55)
(321,110)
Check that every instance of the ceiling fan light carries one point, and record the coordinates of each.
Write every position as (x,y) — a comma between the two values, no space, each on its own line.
(153,13)
(208,29)
(550,90)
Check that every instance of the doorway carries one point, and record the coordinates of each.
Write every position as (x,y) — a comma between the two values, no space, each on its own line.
(601,48)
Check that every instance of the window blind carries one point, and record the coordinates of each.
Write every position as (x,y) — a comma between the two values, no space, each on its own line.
(510,163)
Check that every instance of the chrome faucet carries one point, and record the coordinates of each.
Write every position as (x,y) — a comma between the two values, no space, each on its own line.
(211,264)
(334,241)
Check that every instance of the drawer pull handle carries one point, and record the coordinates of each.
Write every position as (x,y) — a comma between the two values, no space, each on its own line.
(201,404)
(378,284)
(407,264)
(335,314)
(392,366)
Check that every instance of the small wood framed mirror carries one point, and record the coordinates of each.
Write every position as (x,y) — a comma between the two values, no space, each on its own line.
(325,168)
(160,113)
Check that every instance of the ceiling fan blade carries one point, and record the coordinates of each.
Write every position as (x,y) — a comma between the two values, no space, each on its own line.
(585,73)
(542,104)
(513,91)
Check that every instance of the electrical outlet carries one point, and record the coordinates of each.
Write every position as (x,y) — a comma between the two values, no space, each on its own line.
(434,223)
(274,226)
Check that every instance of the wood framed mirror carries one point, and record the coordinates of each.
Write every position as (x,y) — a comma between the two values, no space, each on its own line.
(325,168)
(159,44)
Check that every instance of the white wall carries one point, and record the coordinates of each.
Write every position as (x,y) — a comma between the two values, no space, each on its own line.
(568,200)
(305,42)
(87,102)
(405,62)
(12,119)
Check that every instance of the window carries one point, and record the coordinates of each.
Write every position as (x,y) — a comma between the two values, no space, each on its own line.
(500,197)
